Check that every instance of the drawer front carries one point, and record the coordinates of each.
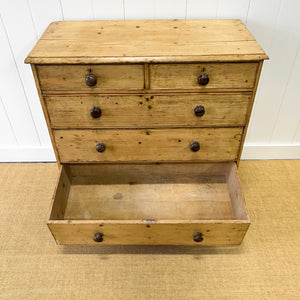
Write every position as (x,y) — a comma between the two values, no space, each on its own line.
(134,111)
(212,76)
(74,77)
(76,232)
(216,144)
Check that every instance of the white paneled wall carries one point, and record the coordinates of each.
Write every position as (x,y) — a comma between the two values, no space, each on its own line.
(274,130)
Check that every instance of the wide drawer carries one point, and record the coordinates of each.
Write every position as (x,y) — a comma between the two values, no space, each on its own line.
(105,145)
(74,77)
(212,76)
(133,111)
(171,204)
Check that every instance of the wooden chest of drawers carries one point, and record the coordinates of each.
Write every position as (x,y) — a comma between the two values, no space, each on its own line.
(147,119)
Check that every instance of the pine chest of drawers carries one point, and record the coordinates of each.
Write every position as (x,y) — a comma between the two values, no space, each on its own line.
(147,119)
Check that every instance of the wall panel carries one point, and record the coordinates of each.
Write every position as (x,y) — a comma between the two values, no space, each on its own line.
(108,10)
(13,96)
(296,138)
(233,9)
(289,112)
(77,9)
(170,9)
(281,47)
(137,9)
(201,9)
(44,12)
(20,41)
(6,131)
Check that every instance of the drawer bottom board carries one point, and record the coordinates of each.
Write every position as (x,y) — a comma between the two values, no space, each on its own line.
(209,200)
(149,204)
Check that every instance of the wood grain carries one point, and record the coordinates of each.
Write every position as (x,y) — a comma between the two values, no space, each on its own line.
(249,110)
(185,76)
(45,111)
(115,31)
(129,203)
(61,195)
(136,192)
(101,174)
(154,40)
(206,200)
(148,144)
(82,233)
(154,111)
(66,77)
(235,192)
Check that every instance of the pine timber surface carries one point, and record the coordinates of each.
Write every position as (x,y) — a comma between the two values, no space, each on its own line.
(216,144)
(152,111)
(72,42)
(178,199)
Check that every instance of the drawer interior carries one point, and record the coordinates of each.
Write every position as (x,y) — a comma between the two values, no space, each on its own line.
(149,192)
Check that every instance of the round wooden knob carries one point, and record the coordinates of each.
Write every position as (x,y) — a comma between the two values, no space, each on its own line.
(199,110)
(195,146)
(98,237)
(203,79)
(197,236)
(100,147)
(96,112)
(91,80)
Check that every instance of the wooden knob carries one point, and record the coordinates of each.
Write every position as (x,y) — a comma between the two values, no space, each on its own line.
(195,146)
(203,79)
(98,237)
(199,110)
(96,112)
(91,80)
(100,147)
(197,236)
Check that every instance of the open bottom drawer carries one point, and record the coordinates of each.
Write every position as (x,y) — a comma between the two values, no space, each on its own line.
(149,204)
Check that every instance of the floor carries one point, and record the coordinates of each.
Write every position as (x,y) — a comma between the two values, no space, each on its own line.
(265,266)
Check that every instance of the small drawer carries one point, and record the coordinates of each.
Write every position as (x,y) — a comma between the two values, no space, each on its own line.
(155,111)
(105,145)
(203,76)
(89,78)
(149,204)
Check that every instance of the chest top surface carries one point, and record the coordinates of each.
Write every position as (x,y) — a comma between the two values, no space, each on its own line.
(137,41)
